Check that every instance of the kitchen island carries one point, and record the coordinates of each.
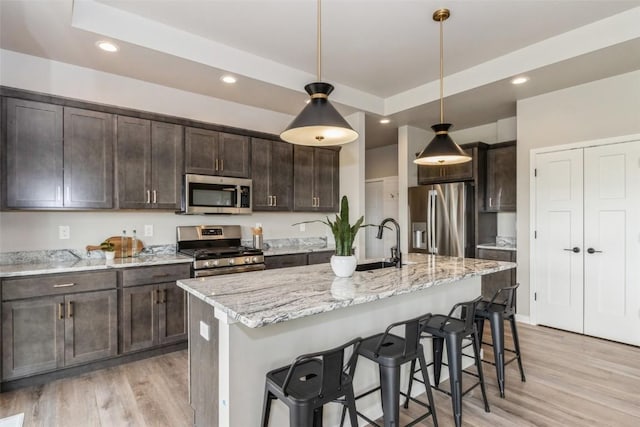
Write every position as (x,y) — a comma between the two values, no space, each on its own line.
(243,325)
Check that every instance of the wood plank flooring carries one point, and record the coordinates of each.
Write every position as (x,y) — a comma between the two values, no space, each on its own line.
(572,380)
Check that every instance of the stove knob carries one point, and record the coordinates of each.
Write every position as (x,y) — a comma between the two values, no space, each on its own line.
(232,261)
(247,260)
(255,259)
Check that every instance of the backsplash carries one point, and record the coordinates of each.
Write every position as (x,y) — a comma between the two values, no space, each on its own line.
(66,255)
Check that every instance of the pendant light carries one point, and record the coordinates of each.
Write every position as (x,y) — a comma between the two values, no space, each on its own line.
(319,123)
(442,150)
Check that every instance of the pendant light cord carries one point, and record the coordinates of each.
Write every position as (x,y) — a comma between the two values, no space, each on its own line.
(441,74)
(319,41)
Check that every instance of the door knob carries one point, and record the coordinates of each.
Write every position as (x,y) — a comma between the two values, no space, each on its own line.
(593,251)
(574,250)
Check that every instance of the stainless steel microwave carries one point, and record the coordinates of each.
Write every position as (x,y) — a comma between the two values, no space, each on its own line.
(206,194)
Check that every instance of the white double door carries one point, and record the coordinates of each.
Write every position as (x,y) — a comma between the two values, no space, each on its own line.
(587,245)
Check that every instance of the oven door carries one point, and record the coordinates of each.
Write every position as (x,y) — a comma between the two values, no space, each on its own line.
(227,270)
(204,194)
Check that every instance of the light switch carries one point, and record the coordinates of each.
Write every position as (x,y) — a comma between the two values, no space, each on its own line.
(204,330)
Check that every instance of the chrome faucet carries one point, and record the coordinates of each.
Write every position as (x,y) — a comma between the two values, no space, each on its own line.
(396,256)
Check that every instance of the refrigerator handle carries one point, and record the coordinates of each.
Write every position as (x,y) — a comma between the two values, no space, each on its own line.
(428,242)
(432,220)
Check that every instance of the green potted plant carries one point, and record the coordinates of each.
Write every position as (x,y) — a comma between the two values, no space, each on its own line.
(109,250)
(343,262)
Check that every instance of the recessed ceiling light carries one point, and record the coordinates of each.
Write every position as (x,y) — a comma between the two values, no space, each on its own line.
(520,80)
(384,121)
(107,46)
(228,79)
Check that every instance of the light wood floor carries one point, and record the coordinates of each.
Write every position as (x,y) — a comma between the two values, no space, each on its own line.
(572,380)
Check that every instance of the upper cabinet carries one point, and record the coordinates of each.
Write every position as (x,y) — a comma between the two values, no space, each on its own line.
(57,157)
(272,173)
(501,178)
(150,164)
(209,152)
(316,179)
(451,173)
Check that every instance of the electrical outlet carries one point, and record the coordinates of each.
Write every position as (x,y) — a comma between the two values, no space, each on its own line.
(303,227)
(148,230)
(64,232)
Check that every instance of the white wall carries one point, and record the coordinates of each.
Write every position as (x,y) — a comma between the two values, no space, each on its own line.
(600,109)
(490,133)
(381,162)
(38,230)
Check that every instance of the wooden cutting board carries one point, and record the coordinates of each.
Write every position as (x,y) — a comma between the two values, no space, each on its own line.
(117,244)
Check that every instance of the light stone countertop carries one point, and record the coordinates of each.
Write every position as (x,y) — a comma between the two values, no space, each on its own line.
(497,247)
(297,249)
(48,267)
(272,296)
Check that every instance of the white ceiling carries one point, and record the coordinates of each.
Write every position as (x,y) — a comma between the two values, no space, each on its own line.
(382,56)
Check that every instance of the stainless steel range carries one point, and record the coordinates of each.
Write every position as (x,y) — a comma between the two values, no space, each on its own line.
(216,250)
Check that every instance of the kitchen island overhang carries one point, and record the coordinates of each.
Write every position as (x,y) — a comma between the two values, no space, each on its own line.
(243,325)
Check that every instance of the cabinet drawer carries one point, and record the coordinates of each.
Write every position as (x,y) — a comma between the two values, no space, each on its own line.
(496,254)
(282,261)
(155,274)
(320,257)
(57,284)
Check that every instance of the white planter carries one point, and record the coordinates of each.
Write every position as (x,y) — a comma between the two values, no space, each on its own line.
(343,266)
(109,255)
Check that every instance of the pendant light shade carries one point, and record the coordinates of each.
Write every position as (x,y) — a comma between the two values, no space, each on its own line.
(319,123)
(442,150)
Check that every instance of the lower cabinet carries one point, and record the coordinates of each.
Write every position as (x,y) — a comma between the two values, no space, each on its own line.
(296,260)
(45,333)
(494,281)
(154,312)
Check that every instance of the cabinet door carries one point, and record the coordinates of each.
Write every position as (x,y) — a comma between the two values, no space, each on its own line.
(91,327)
(172,314)
(201,151)
(303,195)
(88,159)
(139,317)
(261,170)
(320,257)
(428,174)
(281,175)
(460,171)
(167,165)
(33,154)
(494,281)
(283,261)
(134,162)
(32,336)
(326,179)
(234,155)
(501,179)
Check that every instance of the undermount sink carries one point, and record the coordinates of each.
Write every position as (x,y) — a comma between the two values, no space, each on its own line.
(374,265)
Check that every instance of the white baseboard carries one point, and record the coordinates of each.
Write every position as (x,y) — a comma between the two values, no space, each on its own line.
(523,318)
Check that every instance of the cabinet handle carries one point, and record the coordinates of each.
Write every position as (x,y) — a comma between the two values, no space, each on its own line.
(275,201)
(313,202)
(222,164)
(157,291)
(61,310)
(490,201)
(216,164)
(67,193)
(155,196)
(58,193)
(148,196)
(63,285)
(70,309)
(269,201)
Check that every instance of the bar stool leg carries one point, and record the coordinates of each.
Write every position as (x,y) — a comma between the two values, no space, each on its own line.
(476,350)
(390,388)
(516,343)
(427,386)
(454,356)
(351,407)
(411,373)
(437,359)
(266,407)
(301,416)
(497,334)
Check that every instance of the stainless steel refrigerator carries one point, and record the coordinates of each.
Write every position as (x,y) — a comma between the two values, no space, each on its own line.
(442,219)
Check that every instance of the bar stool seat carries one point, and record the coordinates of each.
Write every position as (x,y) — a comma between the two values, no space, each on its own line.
(501,307)
(453,330)
(390,352)
(309,383)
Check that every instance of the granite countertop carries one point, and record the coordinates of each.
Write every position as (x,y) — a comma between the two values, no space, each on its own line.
(271,296)
(297,249)
(47,267)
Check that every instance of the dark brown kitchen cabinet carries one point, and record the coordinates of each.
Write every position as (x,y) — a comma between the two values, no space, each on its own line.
(209,152)
(501,178)
(316,179)
(153,307)
(296,260)
(58,157)
(50,322)
(272,173)
(494,281)
(320,257)
(150,164)
(447,173)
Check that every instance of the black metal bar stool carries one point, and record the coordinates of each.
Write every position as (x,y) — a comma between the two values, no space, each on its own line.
(390,352)
(310,382)
(500,308)
(453,330)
